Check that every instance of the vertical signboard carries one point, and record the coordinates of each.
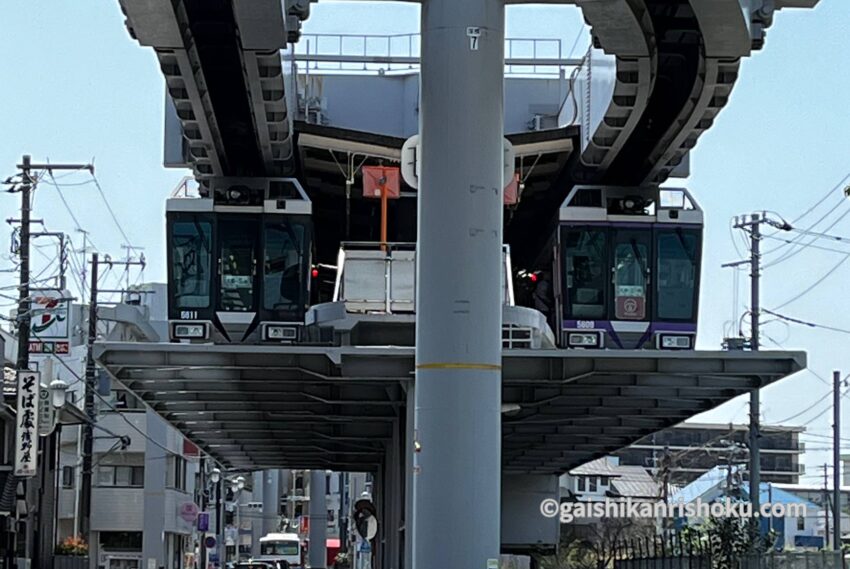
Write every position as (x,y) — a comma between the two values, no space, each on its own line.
(46,413)
(26,431)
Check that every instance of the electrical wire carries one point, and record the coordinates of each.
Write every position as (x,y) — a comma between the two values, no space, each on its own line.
(805,323)
(111,407)
(802,247)
(111,211)
(810,246)
(813,285)
(77,225)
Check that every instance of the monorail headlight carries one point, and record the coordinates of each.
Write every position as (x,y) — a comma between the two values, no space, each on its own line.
(189,331)
(584,340)
(675,341)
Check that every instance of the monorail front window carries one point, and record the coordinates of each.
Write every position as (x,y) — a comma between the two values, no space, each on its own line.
(585,261)
(676,274)
(631,262)
(285,268)
(237,246)
(191,260)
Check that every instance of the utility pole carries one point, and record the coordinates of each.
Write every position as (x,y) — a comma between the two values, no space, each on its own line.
(826,502)
(88,432)
(91,385)
(24,321)
(836,460)
(755,403)
(754,226)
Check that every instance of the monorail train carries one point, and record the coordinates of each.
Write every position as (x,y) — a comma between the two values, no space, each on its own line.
(239,261)
(626,268)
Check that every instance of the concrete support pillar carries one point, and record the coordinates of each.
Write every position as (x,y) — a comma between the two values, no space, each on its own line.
(408,481)
(257,518)
(394,498)
(271,501)
(317,553)
(156,464)
(459,299)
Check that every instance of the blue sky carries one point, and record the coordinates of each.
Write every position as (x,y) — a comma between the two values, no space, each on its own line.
(76,87)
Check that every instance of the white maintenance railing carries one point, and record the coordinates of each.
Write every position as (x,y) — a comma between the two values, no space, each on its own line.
(366,53)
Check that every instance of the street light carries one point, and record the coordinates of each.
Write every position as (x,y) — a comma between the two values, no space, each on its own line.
(58,393)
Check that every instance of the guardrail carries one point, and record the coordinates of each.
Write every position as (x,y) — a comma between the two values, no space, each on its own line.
(400,52)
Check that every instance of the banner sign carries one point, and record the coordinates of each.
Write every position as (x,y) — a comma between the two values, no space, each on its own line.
(26,431)
(50,314)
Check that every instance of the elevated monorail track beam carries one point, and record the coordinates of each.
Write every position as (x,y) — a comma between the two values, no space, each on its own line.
(622,28)
(671,83)
(223,70)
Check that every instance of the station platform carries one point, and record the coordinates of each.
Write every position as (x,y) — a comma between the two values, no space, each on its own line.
(257,407)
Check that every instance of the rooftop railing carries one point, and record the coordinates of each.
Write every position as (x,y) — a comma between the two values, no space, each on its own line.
(399,53)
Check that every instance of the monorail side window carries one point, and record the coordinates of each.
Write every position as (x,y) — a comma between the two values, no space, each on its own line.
(285,267)
(238,244)
(676,274)
(631,262)
(191,259)
(584,263)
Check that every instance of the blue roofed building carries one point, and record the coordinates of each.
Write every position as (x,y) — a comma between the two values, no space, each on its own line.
(799,523)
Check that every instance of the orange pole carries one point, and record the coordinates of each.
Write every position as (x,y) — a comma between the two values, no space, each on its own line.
(383,217)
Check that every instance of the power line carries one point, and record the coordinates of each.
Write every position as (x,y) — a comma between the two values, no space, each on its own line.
(805,323)
(815,284)
(77,225)
(111,212)
(801,247)
(808,246)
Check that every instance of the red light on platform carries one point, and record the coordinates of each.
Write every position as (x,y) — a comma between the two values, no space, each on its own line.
(315,273)
(533,277)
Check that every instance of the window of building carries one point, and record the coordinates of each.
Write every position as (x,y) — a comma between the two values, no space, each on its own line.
(582,484)
(121,540)
(603,481)
(126,401)
(801,523)
(121,476)
(67,477)
(175,476)
(592,484)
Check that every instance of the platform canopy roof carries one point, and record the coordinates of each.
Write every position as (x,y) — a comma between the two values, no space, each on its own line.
(255,407)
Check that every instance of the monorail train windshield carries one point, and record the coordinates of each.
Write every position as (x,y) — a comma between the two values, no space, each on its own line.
(670,292)
(628,273)
(240,272)
(285,268)
(191,263)
(283,248)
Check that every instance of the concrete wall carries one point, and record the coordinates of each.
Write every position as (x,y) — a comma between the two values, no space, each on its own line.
(522,525)
(117,509)
(389,104)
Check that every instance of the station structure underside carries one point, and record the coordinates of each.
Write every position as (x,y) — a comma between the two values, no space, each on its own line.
(257,407)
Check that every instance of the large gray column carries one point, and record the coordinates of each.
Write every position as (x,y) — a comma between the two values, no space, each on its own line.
(317,552)
(271,501)
(458,328)
(153,536)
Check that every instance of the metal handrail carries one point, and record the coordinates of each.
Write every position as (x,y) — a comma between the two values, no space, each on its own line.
(382,53)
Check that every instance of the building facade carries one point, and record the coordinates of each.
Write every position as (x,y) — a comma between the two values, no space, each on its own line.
(689,450)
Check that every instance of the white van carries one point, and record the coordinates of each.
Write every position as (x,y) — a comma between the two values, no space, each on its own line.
(281,547)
